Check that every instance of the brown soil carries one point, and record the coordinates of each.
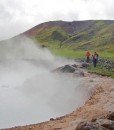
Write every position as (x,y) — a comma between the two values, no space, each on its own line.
(100,104)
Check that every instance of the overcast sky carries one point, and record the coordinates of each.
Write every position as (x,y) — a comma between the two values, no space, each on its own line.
(17,16)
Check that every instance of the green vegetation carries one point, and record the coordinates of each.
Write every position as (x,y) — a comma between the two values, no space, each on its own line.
(101,71)
(53,34)
(97,36)
(68,53)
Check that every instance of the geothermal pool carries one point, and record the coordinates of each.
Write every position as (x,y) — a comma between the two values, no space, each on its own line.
(29,91)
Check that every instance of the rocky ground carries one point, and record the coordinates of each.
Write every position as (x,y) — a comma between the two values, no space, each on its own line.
(96,114)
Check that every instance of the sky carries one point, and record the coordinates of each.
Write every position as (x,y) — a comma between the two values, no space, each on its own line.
(17,16)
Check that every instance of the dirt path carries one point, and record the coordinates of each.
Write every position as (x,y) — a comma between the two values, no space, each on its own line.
(100,104)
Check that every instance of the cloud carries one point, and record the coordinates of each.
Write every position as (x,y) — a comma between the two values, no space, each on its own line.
(20,15)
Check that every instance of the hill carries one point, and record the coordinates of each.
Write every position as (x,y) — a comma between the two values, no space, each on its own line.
(76,35)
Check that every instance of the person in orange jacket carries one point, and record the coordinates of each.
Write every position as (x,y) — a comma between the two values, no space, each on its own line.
(88,54)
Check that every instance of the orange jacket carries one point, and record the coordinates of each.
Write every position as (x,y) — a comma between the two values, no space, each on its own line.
(88,54)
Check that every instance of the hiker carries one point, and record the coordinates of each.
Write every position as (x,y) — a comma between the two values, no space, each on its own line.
(95,59)
(88,56)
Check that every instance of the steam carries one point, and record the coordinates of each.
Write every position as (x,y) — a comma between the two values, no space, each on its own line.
(29,92)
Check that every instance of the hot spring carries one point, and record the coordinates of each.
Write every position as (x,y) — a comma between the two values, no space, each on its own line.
(29,91)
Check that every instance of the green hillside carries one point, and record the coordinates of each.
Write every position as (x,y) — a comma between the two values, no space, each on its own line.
(53,35)
(98,36)
(72,39)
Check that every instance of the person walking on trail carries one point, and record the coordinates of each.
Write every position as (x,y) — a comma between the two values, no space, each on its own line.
(88,56)
(95,59)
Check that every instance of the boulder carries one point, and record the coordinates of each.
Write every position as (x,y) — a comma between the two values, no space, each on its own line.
(51,119)
(89,126)
(97,124)
(70,69)
(111,116)
(65,69)
(109,124)
(85,65)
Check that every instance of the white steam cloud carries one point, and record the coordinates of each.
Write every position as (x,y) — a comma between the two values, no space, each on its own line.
(29,91)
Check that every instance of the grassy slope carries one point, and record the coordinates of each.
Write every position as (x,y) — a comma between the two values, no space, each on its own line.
(101,71)
(99,37)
